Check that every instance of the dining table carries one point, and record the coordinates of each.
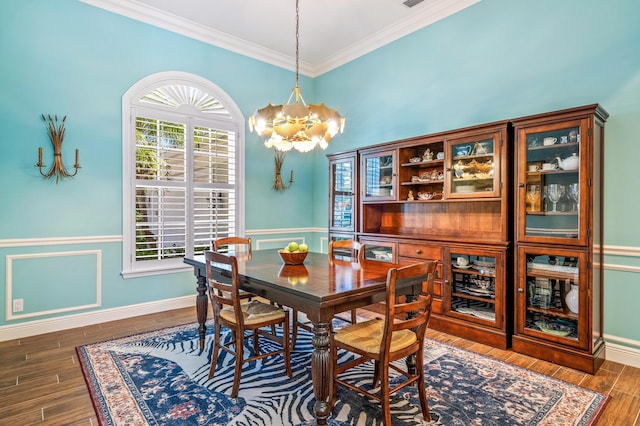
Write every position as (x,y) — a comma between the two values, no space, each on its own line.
(320,287)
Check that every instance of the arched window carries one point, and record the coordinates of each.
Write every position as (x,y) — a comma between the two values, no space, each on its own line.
(182,148)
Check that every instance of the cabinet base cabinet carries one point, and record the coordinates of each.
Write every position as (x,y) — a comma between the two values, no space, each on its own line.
(565,356)
(467,330)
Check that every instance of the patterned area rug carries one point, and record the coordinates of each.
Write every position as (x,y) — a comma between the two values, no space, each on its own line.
(160,378)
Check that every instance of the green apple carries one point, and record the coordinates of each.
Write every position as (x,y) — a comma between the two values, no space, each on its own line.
(293,246)
(303,247)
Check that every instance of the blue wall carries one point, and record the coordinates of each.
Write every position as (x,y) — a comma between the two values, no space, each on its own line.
(495,60)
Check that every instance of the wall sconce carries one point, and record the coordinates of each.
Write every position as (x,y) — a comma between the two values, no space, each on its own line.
(55,131)
(277,183)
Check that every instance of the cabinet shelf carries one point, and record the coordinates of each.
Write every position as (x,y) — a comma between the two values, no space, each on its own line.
(554,147)
(551,275)
(473,156)
(472,272)
(474,179)
(489,298)
(556,312)
(529,212)
(424,182)
(421,164)
(551,172)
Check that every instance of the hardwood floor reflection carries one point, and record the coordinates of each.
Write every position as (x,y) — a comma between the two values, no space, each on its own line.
(41,381)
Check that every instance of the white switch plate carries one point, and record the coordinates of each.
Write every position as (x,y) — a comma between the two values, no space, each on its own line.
(18,305)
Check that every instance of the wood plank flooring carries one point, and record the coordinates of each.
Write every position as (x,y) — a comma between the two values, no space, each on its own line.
(41,380)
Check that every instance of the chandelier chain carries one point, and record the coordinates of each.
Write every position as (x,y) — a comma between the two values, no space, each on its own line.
(297,39)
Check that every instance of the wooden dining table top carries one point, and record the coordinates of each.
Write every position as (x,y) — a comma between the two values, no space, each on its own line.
(319,287)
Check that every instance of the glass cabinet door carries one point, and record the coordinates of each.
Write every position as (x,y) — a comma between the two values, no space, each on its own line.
(475,287)
(552,192)
(383,251)
(342,193)
(552,295)
(473,167)
(378,170)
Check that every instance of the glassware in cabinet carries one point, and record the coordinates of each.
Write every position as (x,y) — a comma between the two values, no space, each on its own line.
(379,175)
(554,189)
(342,192)
(553,280)
(473,166)
(378,249)
(475,286)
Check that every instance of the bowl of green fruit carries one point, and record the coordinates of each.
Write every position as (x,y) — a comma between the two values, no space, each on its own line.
(294,253)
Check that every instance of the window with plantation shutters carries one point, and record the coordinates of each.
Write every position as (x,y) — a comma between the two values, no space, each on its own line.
(181,168)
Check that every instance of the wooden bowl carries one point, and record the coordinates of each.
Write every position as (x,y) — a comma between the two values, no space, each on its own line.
(293,258)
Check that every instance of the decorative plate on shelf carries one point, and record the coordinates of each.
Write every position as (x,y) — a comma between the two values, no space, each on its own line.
(484,263)
(557,327)
(477,291)
(478,312)
(484,269)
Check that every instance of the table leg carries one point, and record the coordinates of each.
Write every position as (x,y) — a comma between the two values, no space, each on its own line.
(321,372)
(202,305)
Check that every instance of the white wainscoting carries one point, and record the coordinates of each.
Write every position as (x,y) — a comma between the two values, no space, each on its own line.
(40,275)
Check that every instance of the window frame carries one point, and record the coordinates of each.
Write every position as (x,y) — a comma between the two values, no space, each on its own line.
(132,107)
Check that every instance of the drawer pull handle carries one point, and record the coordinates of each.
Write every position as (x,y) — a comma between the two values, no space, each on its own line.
(520,290)
(418,251)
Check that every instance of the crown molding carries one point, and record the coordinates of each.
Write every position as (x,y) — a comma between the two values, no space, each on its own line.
(170,22)
(425,16)
(431,13)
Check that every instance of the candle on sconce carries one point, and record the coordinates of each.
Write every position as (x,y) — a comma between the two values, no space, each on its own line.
(39,155)
(77,164)
(291,177)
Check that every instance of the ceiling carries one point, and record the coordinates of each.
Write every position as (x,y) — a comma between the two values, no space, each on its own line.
(331,32)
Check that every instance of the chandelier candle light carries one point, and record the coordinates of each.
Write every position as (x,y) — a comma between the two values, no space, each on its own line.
(296,125)
(56,131)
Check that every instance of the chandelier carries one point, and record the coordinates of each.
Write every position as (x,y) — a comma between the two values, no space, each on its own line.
(296,124)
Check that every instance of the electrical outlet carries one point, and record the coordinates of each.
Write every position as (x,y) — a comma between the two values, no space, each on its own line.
(18,305)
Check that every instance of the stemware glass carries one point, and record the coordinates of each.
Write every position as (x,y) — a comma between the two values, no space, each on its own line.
(574,193)
(553,192)
(533,195)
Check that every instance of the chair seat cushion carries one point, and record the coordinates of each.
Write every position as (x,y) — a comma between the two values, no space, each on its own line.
(367,336)
(253,312)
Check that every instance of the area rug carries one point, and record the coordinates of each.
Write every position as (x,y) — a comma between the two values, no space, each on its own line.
(161,378)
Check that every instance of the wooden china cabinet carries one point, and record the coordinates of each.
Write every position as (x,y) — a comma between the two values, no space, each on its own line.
(558,221)
(439,197)
(512,212)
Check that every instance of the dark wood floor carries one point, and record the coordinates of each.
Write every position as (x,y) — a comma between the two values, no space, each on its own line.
(41,381)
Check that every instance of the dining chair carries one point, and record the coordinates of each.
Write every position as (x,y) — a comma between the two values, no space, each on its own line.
(255,317)
(349,249)
(398,335)
(237,245)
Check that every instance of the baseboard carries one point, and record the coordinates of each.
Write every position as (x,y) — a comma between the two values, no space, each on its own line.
(623,354)
(32,328)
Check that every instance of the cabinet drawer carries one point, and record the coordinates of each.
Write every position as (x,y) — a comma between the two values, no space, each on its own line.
(436,306)
(437,288)
(420,251)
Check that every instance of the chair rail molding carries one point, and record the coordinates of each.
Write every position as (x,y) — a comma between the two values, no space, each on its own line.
(53,241)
